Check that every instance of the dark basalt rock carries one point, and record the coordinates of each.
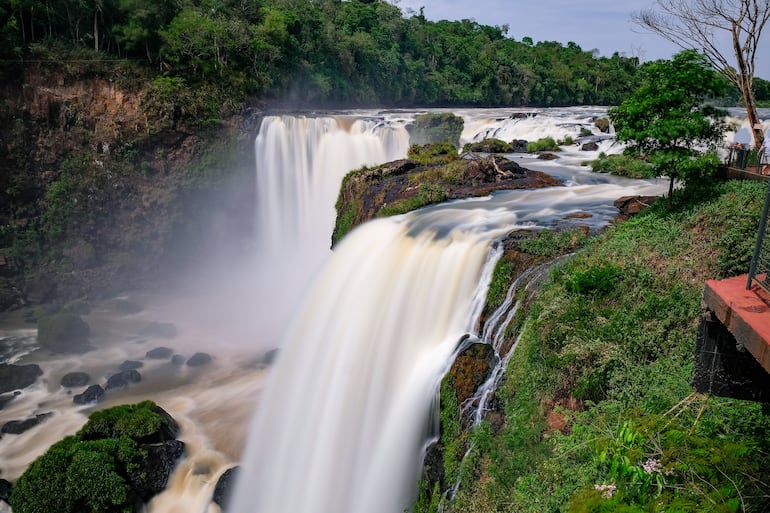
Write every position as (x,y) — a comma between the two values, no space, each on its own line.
(159,329)
(199,360)
(131,365)
(92,394)
(224,488)
(589,146)
(433,466)
(152,476)
(5,399)
(123,379)
(630,205)
(5,490)
(75,379)
(547,156)
(159,353)
(17,427)
(14,377)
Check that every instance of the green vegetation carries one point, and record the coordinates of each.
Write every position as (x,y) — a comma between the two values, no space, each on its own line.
(213,54)
(544,144)
(622,165)
(437,128)
(489,146)
(552,243)
(666,121)
(96,470)
(599,412)
(436,153)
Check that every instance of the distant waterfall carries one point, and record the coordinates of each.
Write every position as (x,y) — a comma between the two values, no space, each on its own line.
(345,412)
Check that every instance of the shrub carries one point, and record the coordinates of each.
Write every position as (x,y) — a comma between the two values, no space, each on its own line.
(544,144)
(434,153)
(598,279)
(623,165)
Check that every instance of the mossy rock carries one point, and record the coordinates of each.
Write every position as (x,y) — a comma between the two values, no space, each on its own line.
(434,153)
(491,145)
(107,467)
(63,332)
(436,128)
(603,124)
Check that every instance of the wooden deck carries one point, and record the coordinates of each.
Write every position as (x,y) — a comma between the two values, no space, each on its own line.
(744,312)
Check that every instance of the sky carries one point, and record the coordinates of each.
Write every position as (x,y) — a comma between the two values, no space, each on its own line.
(604,25)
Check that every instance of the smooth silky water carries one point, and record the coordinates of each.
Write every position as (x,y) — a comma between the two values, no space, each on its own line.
(365,332)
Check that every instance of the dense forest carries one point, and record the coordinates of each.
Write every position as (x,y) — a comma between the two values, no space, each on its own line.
(314,51)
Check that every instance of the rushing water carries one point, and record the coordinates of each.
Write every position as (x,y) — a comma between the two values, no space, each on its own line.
(341,421)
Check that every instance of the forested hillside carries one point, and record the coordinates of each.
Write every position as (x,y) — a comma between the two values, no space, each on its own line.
(321,52)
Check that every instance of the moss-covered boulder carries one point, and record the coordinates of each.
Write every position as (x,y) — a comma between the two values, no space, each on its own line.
(435,128)
(119,460)
(63,332)
(491,145)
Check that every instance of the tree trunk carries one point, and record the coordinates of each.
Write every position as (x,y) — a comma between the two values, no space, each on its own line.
(96,30)
(670,199)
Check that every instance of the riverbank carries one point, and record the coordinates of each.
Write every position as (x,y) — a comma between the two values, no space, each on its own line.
(597,406)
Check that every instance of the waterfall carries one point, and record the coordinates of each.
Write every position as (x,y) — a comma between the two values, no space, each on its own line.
(346,409)
(301,162)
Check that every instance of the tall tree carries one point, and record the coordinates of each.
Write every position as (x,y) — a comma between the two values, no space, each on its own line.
(666,121)
(703,24)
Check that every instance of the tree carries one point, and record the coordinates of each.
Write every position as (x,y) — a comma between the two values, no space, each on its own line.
(701,24)
(666,121)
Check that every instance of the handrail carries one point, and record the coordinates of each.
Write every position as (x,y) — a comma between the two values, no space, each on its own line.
(759,272)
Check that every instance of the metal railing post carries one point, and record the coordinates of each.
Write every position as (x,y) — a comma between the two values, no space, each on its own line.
(760,261)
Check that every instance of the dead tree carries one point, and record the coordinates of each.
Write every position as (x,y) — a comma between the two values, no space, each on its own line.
(702,24)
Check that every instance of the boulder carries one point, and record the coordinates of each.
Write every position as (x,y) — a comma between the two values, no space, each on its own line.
(603,124)
(630,205)
(75,379)
(159,353)
(5,399)
(436,127)
(590,146)
(546,155)
(199,360)
(151,476)
(159,329)
(491,145)
(519,145)
(63,332)
(131,365)
(17,427)
(122,379)
(92,394)
(269,357)
(224,488)
(15,377)
(5,490)
(145,422)
(177,359)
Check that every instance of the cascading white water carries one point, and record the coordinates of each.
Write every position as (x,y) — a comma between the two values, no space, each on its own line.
(343,417)
(301,162)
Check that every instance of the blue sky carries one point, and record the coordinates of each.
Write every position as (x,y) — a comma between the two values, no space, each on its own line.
(593,24)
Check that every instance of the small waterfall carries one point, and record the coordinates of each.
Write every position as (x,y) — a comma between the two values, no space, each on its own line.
(338,428)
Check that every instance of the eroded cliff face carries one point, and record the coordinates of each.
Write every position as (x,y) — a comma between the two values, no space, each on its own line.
(98,192)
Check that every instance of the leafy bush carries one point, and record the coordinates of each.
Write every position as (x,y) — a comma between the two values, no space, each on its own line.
(544,144)
(623,165)
(491,145)
(598,279)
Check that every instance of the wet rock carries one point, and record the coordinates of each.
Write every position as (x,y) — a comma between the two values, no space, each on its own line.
(159,353)
(199,360)
(63,332)
(471,368)
(159,329)
(92,394)
(15,377)
(5,490)
(547,156)
(122,379)
(151,476)
(589,146)
(5,399)
(131,365)
(433,466)
(519,145)
(224,488)
(603,124)
(17,427)
(630,205)
(75,379)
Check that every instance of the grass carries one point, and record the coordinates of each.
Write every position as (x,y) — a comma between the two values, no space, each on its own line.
(607,347)
(622,165)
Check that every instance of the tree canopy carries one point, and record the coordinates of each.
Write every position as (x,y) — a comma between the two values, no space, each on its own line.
(667,121)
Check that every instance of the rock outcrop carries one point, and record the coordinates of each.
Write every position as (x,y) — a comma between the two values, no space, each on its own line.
(15,377)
